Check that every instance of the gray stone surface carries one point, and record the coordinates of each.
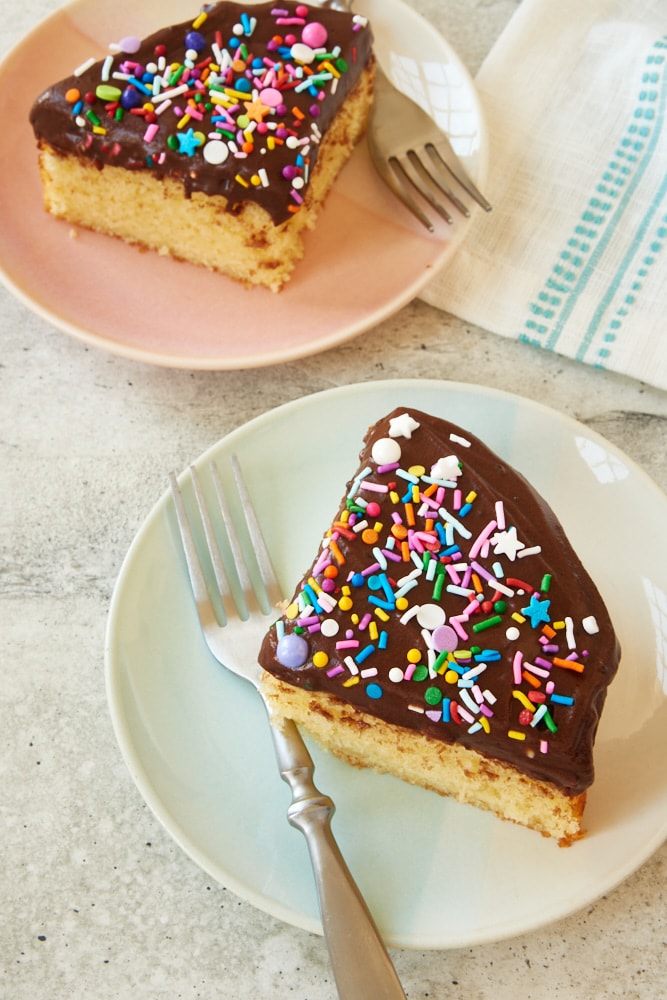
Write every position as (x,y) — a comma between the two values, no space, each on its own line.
(97,901)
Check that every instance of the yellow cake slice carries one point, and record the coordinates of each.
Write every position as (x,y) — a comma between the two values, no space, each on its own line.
(447,632)
(214,141)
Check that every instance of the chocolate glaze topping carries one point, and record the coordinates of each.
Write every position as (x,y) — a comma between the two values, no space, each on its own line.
(232,103)
(447,599)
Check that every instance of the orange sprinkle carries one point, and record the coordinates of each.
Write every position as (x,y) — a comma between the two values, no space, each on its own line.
(336,552)
(410,514)
(568,664)
(531,679)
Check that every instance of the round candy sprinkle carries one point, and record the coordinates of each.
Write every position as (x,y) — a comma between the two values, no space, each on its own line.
(512,633)
(444,639)
(320,659)
(433,695)
(195,40)
(271,97)
(131,98)
(374,691)
(314,34)
(129,45)
(386,451)
(106,92)
(292,651)
(216,152)
(431,616)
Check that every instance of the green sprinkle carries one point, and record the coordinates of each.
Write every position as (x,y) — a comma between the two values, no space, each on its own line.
(546,583)
(487,623)
(433,695)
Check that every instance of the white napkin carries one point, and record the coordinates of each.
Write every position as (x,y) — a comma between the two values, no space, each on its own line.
(573,257)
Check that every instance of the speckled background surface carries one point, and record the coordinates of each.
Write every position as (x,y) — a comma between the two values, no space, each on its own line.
(96,899)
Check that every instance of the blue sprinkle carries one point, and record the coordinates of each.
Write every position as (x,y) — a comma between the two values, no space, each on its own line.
(374,691)
(562,699)
(364,653)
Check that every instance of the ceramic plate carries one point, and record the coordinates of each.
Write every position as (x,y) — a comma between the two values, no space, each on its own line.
(436,874)
(366,259)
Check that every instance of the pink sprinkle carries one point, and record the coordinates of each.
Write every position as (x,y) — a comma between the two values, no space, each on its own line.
(516,666)
(151,132)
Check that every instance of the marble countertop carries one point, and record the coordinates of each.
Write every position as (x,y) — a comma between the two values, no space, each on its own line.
(97,900)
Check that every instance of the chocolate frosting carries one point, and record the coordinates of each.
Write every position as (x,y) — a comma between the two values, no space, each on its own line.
(233,103)
(447,599)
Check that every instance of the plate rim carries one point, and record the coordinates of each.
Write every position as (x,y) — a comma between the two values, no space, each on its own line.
(227,442)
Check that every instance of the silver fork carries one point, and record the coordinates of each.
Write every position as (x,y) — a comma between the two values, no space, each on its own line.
(233,632)
(410,153)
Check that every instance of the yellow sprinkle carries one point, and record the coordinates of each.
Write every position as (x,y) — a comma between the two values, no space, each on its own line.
(198,21)
(292,611)
(320,659)
(451,677)
(486,725)
(520,696)
(402,604)
(314,584)
(518,618)
(183,120)
(414,655)
(471,496)
(515,735)
(99,130)
(330,68)
(381,614)
(393,496)
(354,619)
(351,681)
(373,631)
(345,603)
(242,181)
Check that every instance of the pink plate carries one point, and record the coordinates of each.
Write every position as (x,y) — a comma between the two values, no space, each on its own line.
(366,259)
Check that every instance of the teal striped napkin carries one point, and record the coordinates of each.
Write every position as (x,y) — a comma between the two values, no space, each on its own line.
(573,257)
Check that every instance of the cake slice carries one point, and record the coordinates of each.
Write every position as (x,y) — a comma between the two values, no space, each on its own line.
(214,141)
(447,633)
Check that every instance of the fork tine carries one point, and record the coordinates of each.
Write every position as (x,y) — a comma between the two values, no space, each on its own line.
(264,563)
(404,171)
(443,155)
(438,179)
(392,175)
(205,608)
(221,575)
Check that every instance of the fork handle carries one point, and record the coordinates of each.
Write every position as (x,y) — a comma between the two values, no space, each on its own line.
(361,965)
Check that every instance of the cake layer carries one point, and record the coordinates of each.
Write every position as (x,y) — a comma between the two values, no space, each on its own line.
(446,768)
(447,603)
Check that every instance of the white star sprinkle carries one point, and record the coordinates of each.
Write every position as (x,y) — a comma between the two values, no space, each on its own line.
(402,426)
(506,543)
(446,468)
